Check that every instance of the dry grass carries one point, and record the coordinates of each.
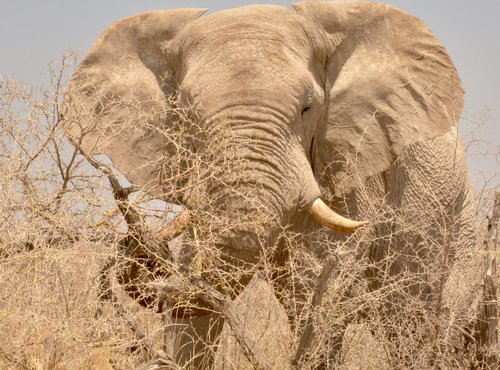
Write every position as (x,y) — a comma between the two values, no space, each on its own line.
(59,225)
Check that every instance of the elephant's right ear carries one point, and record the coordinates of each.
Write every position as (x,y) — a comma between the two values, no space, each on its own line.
(392,84)
(118,99)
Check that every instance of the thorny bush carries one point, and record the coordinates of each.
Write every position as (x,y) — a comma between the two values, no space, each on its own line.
(61,229)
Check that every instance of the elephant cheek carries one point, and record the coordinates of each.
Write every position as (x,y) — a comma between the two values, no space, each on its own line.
(309,188)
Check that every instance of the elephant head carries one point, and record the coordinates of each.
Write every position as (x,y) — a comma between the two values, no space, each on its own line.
(322,91)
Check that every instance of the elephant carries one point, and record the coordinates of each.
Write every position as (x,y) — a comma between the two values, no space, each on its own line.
(328,108)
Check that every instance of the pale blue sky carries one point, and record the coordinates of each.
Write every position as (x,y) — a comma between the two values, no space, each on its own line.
(36,32)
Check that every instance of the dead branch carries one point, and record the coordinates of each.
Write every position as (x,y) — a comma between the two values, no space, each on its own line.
(319,291)
(487,323)
(196,286)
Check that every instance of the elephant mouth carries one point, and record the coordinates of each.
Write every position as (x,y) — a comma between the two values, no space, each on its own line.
(318,210)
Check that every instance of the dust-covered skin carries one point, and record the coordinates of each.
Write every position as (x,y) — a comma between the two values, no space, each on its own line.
(339,100)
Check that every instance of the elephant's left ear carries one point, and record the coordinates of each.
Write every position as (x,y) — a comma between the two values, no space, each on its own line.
(392,84)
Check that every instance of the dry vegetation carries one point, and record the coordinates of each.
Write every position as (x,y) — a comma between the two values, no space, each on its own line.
(67,259)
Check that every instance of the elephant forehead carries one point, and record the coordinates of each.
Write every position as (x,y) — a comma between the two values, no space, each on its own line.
(251,29)
(255,48)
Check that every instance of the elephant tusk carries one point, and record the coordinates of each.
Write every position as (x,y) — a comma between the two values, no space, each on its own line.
(331,219)
(176,227)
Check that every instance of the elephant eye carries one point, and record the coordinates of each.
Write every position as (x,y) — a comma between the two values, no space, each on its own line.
(307,106)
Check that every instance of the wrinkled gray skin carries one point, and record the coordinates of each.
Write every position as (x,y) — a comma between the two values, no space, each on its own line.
(343,100)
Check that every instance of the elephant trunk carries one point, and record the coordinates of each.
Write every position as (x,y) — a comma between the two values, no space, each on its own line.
(258,175)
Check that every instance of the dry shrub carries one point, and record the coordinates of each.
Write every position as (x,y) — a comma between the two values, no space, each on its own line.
(64,240)
(55,236)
